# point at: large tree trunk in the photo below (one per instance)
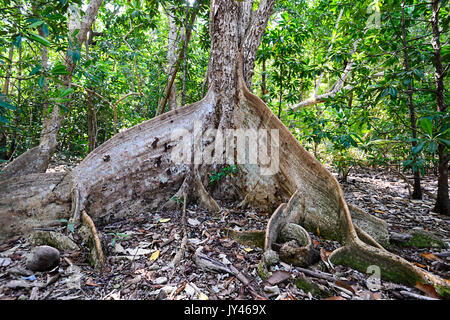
(36, 160)
(143, 167)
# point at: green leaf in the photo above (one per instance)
(70, 226)
(59, 69)
(66, 92)
(35, 24)
(63, 107)
(445, 142)
(433, 146)
(427, 126)
(7, 105)
(3, 119)
(45, 30)
(418, 148)
(38, 38)
(41, 81)
(36, 69)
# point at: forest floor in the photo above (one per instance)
(139, 251)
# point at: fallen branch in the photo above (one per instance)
(209, 264)
(415, 295)
(317, 274)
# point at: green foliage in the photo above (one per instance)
(223, 173)
(367, 122)
(70, 225)
(117, 236)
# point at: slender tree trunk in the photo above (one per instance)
(9, 70)
(5, 91)
(417, 192)
(172, 57)
(185, 48)
(12, 147)
(280, 98)
(442, 205)
(91, 113)
(171, 78)
(263, 81)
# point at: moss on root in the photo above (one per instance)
(424, 239)
(263, 273)
(392, 269)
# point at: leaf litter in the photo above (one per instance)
(139, 251)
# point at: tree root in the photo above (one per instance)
(99, 257)
(251, 238)
(355, 253)
(180, 254)
(199, 193)
(76, 210)
(360, 256)
(205, 200)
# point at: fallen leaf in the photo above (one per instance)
(428, 289)
(324, 254)
(420, 265)
(291, 297)
(138, 251)
(90, 282)
(368, 295)
(154, 256)
(164, 220)
(278, 277)
(318, 231)
(315, 243)
(345, 285)
(430, 256)
(379, 211)
(335, 298)
(248, 250)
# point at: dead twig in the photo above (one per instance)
(210, 264)
(415, 295)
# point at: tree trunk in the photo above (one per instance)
(92, 124)
(142, 168)
(417, 192)
(442, 205)
(263, 81)
(172, 57)
(36, 160)
(185, 48)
